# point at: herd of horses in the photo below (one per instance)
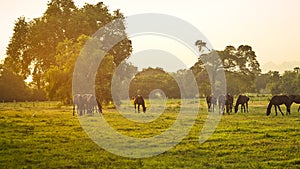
(225, 103)
(88, 103)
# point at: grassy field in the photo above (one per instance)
(53, 138)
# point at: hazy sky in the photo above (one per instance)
(271, 27)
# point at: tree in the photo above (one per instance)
(59, 76)
(150, 79)
(184, 79)
(19, 59)
(12, 86)
(35, 53)
(290, 82)
(240, 67)
(104, 78)
(122, 77)
(275, 82)
(261, 82)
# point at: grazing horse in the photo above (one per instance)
(221, 103)
(279, 100)
(79, 103)
(91, 104)
(243, 101)
(229, 103)
(296, 99)
(211, 102)
(225, 102)
(139, 100)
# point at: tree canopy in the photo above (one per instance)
(47, 47)
(240, 67)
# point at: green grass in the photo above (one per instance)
(55, 139)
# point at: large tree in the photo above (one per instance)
(59, 76)
(240, 67)
(32, 49)
(151, 79)
(19, 58)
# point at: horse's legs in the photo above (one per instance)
(226, 109)
(275, 109)
(299, 109)
(81, 112)
(247, 107)
(280, 110)
(288, 109)
(223, 108)
(138, 108)
(243, 108)
(73, 109)
(134, 107)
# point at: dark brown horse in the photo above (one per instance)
(279, 100)
(211, 102)
(243, 101)
(138, 101)
(296, 99)
(225, 101)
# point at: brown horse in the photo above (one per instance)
(296, 99)
(211, 102)
(243, 101)
(79, 104)
(225, 101)
(139, 100)
(279, 100)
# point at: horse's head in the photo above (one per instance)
(236, 108)
(268, 112)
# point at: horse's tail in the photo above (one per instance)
(269, 108)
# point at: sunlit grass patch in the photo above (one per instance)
(53, 138)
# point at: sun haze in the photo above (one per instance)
(271, 27)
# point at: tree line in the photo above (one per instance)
(46, 49)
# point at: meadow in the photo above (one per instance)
(46, 135)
